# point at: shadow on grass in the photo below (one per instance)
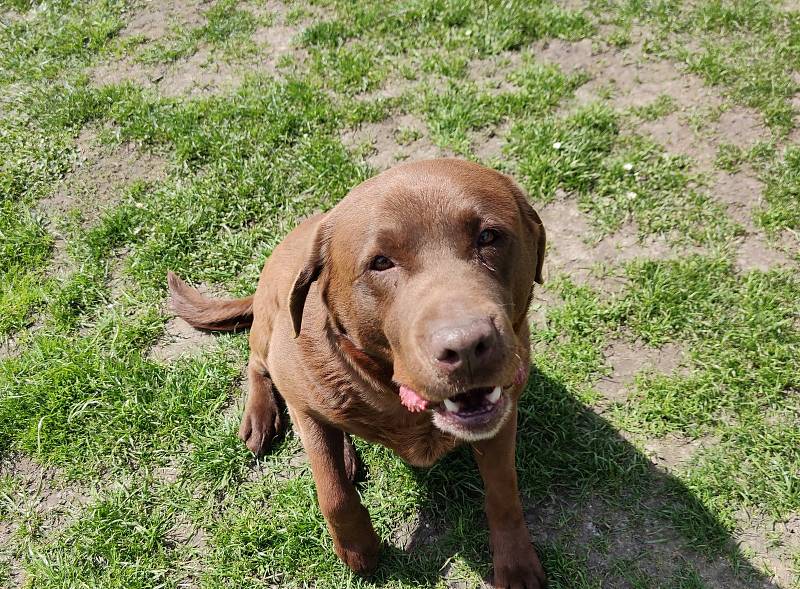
(599, 512)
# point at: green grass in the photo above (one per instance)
(743, 342)
(83, 298)
(122, 540)
(782, 207)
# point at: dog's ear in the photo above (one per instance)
(312, 268)
(533, 223)
(541, 239)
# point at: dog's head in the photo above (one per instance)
(428, 268)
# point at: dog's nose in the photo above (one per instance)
(470, 345)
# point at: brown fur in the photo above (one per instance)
(204, 313)
(337, 337)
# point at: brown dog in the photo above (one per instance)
(399, 316)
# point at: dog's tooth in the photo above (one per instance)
(452, 406)
(494, 396)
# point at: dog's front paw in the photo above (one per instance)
(516, 563)
(360, 555)
(260, 425)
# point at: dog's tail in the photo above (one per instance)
(206, 313)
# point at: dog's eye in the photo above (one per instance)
(381, 263)
(487, 237)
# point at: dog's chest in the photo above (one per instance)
(413, 438)
(424, 447)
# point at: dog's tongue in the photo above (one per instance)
(411, 400)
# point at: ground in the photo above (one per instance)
(659, 442)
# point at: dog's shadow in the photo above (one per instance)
(600, 513)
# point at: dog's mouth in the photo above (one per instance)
(476, 414)
(472, 404)
(472, 414)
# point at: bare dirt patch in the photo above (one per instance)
(418, 532)
(153, 19)
(488, 144)
(276, 41)
(741, 193)
(772, 544)
(570, 247)
(633, 79)
(544, 299)
(204, 72)
(570, 56)
(492, 73)
(393, 140)
(754, 252)
(675, 135)
(628, 358)
(636, 80)
(44, 490)
(672, 452)
(8, 348)
(186, 533)
(199, 74)
(276, 44)
(180, 339)
(99, 175)
(126, 70)
(394, 86)
(737, 126)
(741, 127)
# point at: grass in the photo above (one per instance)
(227, 29)
(746, 47)
(171, 498)
(782, 207)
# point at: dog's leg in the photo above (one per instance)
(262, 420)
(515, 561)
(351, 459)
(348, 521)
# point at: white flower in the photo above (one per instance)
(631, 195)
(627, 167)
(557, 145)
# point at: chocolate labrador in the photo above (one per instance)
(398, 316)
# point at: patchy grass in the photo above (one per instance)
(453, 113)
(176, 498)
(743, 341)
(746, 47)
(227, 28)
(617, 177)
